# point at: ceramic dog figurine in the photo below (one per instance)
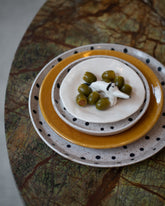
(110, 90)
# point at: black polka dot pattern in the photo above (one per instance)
(59, 59)
(87, 123)
(147, 61)
(34, 111)
(40, 122)
(98, 157)
(58, 85)
(125, 50)
(147, 137)
(132, 154)
(141, 110)
(162, 83)
(159, 69)
(35, 97)
(37, 85)
(113, 157)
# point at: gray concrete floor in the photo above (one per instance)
(15, 17)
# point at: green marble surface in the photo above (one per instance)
(43, 177)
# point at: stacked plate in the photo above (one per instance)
(88, 119)
(120, 138)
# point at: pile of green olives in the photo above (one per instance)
(103, 103)
(110, 76)
(93, 98)
(81, 100)
(89, 77)
(88, 97)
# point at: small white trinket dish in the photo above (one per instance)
(123, 115)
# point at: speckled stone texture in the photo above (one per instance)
(43, 177)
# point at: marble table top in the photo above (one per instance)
(44, 177)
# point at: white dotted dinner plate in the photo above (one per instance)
(101, 129)
(137, 151)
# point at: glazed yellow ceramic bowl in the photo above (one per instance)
(74, 136)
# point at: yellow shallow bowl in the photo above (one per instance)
(99, 142)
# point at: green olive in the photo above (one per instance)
(108, 76)
(84, 89)
(119, 81)
(93, 97)
(89, 77)
(81, 100)
(126, 88)
(102, 103)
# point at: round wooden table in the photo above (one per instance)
(44, 177)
